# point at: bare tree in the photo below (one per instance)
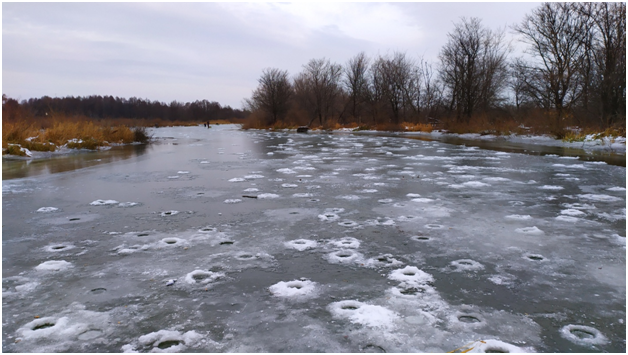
(473, 67)
(556, 36)
(356, 82)
(607, 47)
(319, 86)
(272, 96)
(395, 84)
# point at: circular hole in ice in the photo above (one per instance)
(344, 255)
(74, 219)
(412, 291)
(199, 277)
(418, 237)
(371, 348)
(143, 235)
(168, 343)
(294, 212)
(349, 307)
(227, 242)
(582, 333)
(496, 350)
(297, 286)
(59, 247)
(468, 319)
(90, 334)
(168, 213)
(535, 257)
(245, 256)
(99, 290)
(462, 262)
(384, 259)
(43, 326)
(298, 242)
(409, 273)
(170, 241)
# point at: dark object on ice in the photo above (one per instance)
(171, 282)
(303, 129)
(248, 196)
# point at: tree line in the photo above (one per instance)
(574, 73)
(100, 107)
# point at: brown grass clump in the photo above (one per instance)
(417, 127)
(47, 134)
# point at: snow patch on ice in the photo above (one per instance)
(232, 201)
(466, 265)
(267, 196)
(47, 209)
(54, 265)
(600, 197)
(301, 244)
(519, 217)
(294, 289)
(364, 314)
(103, 202)
(550, 187)
(530, 230)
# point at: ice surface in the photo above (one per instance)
(403, 263)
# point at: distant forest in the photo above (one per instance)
(574, 74)
(105, 107)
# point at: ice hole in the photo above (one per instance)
(170, 241)
(199, 277)
(412, 291)
(496, 350)
(370, 348)
(298, 242)
(99, 290)
(74, 219)
(228, 242)
(297, 286)
(535, 257)
(59, 247)
(142, 235)
(465, 263)
(343, 255)
(384, 259)
(468, 319)
(245, 256)
(294, 212)
(43, 326)
(582, 333)
(409, 273)
(349, 307)
(168, 343)
(167, 213)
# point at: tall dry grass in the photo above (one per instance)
(50, 133)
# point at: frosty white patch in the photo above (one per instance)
(301, 244)
(296, 288)
(365, 314)
(529, 230)
(54, 265)
(103, 202)
(47, 209)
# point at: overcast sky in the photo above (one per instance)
(213, 51)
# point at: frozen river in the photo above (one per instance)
(221, 240)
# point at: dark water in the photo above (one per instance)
(414, 246)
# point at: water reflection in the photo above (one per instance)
(15, 169)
